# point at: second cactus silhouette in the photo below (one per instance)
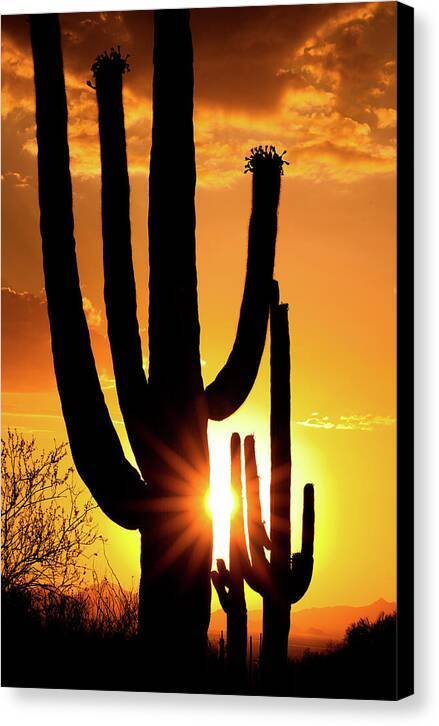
(284, 579)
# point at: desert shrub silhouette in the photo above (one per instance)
(64, 646)
(47, 524)
(54, 640)
(363, 666)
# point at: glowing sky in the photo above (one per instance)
(319, 81)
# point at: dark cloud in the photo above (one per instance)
(312, 78)
(238, 51)
(363, 54)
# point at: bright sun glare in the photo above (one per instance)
(220, 504)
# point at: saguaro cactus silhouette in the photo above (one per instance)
(165, 416)
(283, 580)
(229, 583)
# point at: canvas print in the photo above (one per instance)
(206, 253)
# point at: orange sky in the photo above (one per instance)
(318, 80)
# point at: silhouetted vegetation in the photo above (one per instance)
(284, 579)
(47, 527)
(64, 627)
(363, 666)
(100, 636)
(51, 593)
(88, 640)
(85, 639)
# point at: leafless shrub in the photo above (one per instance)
(46, 526)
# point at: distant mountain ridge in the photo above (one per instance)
(313, 627)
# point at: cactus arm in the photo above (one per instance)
(258, 538)
(303, 562)
(238, 546)
(120, 288)
(308, 521)
(221, 583)
(234, 382)
(239, 559)
(280, 434)
(229, 584)
(96, 450)
(174, 331)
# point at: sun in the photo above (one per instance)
(219, 501)
(220, 504)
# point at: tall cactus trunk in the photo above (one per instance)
(276, 603)
(176, 539)
(172, 451)
(237, 650)
(174, 331)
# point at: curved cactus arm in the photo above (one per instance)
(300, 577)
(96, 450)
(221, 583)
(258, 538)
(238, 546)
(239, 560)
(120, 288)
(229, 584)
(308, 521)
(234, 382)
(302, 562)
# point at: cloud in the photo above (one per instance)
(353, 422)
(26, 347)
(386, 117)
(94, 316)
(353, 54)
(316, 80)
(315, 421)
(81, 42)
(18, 180)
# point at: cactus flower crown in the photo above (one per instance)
(109, 62)
(265, 157)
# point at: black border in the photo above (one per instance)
(405, 350)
